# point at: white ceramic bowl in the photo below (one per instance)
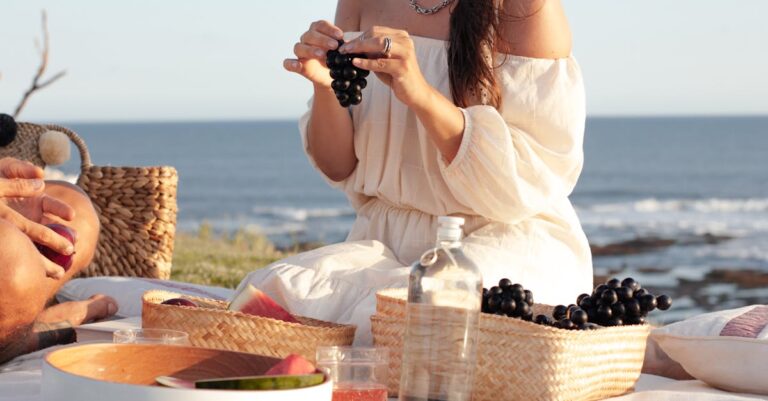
(126, 372)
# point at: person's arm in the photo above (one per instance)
(536, 28)
(330, 134)
(35, 337)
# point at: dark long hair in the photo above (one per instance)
(472, 43)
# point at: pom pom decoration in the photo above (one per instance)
(54, 148)
(8, 130)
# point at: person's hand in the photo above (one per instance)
(310, 52)
(24, 204)
(399, 68)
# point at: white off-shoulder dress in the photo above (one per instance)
(511, 180)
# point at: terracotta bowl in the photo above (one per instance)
(127, 372)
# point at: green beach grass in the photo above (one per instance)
(223, 260)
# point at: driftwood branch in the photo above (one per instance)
(36, 84)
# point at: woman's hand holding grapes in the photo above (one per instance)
(311, 51)
(395, 63)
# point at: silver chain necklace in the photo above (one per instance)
(428, 11)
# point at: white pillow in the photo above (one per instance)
(727, 349)
(127, 291)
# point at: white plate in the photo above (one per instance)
(97, 372)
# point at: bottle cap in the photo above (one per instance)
(449, 228)
(450, 220)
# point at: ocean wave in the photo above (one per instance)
(302, 214)
(233, 225)
(710, 205)
(54, 174)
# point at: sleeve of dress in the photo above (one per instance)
(303, 128)
(514, 162)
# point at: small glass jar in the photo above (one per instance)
(358, 373)
(150, 336)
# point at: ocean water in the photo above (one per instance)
(672, 178)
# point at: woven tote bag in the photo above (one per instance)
(136, 206)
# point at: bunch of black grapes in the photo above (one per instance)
(348, 80)
(614, 303)
(509, 300)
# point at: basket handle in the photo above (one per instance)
(85, 156)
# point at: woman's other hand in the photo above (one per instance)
(310, 52)
(399, 68)
(21, 189)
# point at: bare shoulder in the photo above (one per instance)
(348, 14)
(535, 28)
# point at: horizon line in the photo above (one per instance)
(292, 119)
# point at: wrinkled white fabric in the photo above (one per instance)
(510, 179)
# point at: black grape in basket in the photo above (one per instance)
(624, 293)
(618, 302)
(528, 297)
(599, 290)
(663, 302)
(586, 302)
(613, 283)
(609, 297)
(647, 302)
(348, 80)
(544, 320)
(632, 307)
(508, 299)
(604, 312)
(508, 305)
(618, 310)
(614, 303)
(565, 324)
(630, 283)
(589, 326)
(579, 317)
(560, 312)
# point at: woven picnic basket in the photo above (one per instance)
(519, 360)
(136, 206)
(211, 325)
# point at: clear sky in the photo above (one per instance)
(201, 60)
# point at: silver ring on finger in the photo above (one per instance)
(387, 47)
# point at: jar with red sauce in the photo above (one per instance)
(358, 373)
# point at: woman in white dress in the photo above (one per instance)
(476, 109)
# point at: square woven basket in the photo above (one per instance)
(519, 360)
(211, 325)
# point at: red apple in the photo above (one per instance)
(64, 261)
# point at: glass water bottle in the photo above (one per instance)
(444, 297)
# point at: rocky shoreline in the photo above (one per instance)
(653, 243)
(695, 289)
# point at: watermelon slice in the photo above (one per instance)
(263, 382)
(292, 365)
(255, 302)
